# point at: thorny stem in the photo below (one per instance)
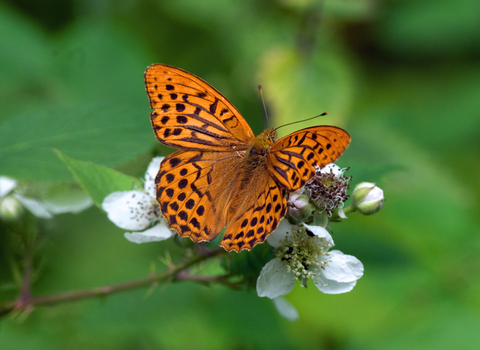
(26, 302)
(209, 280)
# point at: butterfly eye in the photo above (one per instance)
(272, 135)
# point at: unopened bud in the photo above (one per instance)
(368, 198)
(10, 208)
(299, 208)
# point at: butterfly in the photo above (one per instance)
(222, 175)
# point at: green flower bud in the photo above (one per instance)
(368, 198)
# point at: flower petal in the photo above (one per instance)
(35, 207)
(333, 287)
(130, 210)
(335, 169)
(279, 234)
(67, 200)
(6, 185)
(157, 233)
(274, 280)
(342, 267)
(285, 309)
(320, 232)
(150, 175)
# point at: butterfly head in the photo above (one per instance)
(271, 135)
(261, 144)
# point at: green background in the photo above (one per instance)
(402, 77)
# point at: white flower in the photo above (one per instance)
(58, 199)
(137, 210)
(303, 253)
(13, 203)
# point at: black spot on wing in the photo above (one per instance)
(213, 106)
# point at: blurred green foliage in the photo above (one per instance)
(401, 76)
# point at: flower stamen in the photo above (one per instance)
(300, 253)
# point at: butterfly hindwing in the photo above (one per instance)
(193, 191)
(191, 114)
(292, 158)
(255, 212)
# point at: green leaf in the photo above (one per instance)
(105, 134)
(82, 93)
(24, 57)
(98, 181)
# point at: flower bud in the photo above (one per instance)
(368, 198)
(299, 208)
(10, 208)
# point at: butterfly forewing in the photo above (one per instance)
(292, 158)
(191, 114)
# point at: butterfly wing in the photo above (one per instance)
(191, 114)
(207, 184)
(255, 211)
(292, 158)
(194, 189)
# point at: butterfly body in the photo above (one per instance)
(258, 149)
(222, 175)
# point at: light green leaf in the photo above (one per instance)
(98, 181)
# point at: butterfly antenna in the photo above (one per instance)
(263, 102)
(300, 121)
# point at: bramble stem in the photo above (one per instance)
(26, 302)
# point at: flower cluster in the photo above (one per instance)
(302, 243)
(303, 251)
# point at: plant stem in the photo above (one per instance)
(26, 302)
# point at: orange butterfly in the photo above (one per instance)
(223, 175)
